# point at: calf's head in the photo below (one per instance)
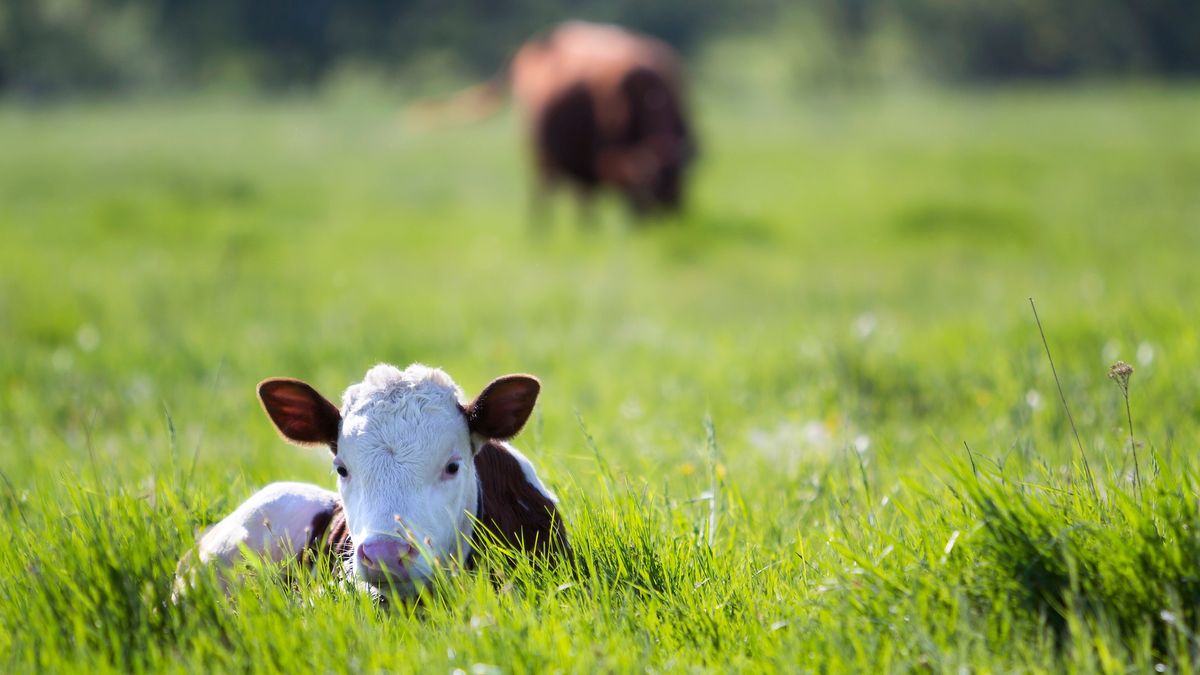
(403, 445)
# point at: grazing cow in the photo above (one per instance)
(419, 469)
(603, 107)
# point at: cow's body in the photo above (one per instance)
(604, 106)
(392, 520)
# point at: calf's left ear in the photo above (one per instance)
(503, 407)
(300, 413)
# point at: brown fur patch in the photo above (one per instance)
(513, 511)
(329, 538)
(318, 526)
(568, 138)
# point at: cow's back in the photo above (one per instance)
(597, 57)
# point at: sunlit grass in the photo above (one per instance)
(755, 416)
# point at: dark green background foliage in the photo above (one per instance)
(989, 39)
(48, 47)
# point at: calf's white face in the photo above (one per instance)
(403, 448)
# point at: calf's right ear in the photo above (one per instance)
(300, 414)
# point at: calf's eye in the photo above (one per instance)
(452, 468)
(341, 471)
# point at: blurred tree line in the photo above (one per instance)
(49, 46)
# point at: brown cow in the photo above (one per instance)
(603, 107)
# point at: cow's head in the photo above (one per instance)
(651, 174)
(403, 446)
(650, 163)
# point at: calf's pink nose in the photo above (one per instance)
(385, 553)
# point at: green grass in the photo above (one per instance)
(755, 416)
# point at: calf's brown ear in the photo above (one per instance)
(503, 407)
(300, 414)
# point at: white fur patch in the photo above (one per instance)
(385, 388)
(275, 522)
(400, 430)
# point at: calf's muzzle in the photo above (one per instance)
(385, 555)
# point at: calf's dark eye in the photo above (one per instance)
(341, 471)
(452, 468)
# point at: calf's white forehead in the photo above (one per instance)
(398, 426)
(391, 406)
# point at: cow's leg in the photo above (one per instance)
(541, 193)
(275, 524)
(539, 205)
(585, 200)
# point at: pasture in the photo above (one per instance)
(754, 416)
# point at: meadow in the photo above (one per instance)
(808, 426)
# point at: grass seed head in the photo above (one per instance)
(1119, 373)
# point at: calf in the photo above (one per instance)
(419, 470)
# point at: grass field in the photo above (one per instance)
(755, 416)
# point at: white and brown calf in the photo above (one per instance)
(419, 469)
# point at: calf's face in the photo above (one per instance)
(403, 447)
